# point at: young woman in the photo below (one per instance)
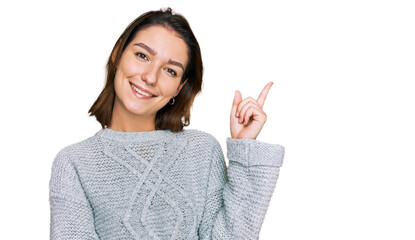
(142, 176)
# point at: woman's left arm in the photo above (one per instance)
(235, 208)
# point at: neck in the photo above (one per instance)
(126, 127)
(124, 121)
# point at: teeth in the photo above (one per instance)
(141, 92)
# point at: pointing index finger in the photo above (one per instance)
(263, 94)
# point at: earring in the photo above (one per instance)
(171, 103)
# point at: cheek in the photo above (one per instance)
(126, 69)
(129, 67)
(169, 87)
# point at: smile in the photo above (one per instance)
(140, 93)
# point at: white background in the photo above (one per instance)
(342, 103)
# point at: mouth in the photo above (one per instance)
(141, 93)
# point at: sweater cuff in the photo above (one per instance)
(251, 152)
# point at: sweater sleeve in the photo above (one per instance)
(238, 197)
(71, 215)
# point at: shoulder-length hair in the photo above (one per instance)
(173, 117)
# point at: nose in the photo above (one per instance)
(149, 76)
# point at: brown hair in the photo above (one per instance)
(173, 117)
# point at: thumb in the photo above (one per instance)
(236, 100)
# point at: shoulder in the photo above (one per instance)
(202, 149)
(199, 142)
(65, 170)
(70, 153)
(195, 136)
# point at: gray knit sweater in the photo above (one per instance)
(161, 185)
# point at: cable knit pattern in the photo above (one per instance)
(161, 185)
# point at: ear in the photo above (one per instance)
(180, 86)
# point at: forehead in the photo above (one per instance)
(165, 42)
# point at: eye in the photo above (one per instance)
(142, 56)
(171, 72)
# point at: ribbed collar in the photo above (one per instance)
(127, 137)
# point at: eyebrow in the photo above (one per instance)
(176, 64)
(152, 51)
(149, 49)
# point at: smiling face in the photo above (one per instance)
(148, 75)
